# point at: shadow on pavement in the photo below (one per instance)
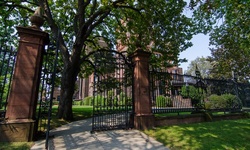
(76, 135)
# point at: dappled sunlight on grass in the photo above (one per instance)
(209, 135)
(79, 113)
(228, 134)
(15, 145)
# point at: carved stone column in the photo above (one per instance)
(143, 118)
(22, 102)
(25, 83)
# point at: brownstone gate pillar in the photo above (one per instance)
(22, 102)
(25, 84)
(143, 118)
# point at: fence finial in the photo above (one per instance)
(36, 19)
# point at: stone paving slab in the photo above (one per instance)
(77, 136)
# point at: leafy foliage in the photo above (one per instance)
(88, 101)
(79, 26)
(12, 13)
(203, 66)
(162, 101)
(228, 25)
(4, 89)
(112, 100)
(195, 94)
(222, 101)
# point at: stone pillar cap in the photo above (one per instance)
(37, 19)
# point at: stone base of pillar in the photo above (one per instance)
(20, 130)
(143, 122)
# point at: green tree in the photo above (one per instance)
(12, 14)
(77, 25)
(195, 94)
(4, 87)
(203, 65)
(228, 25)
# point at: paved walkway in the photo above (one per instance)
(76, 135)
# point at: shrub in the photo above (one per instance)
(129, 101)
(81, 102)
(184, 92)
(123, 98)
(169, 102)
(231, 100)
(162, 101)
(208, 105)
(77, 102)
(222, 101)
(99, 100)
(216, 101)
(193, 93)
(1, 105)
(88, 101)
(55, 102)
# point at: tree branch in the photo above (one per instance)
(55, 29)
(75, 23)
(87, 28)
(19, 6)
(99, 21)
(106, 50)
(129, 7)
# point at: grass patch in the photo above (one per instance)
(227, 134)
(15, 145)
(79, 113)
(82, 112)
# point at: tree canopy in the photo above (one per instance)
(155, 26)
(227, 22)
(78, 25)
(202, 64)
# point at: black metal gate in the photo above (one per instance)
(46, 91)
(112, 91)
(7, 63)
(45, 97)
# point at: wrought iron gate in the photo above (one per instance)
(112, 91)
(7, 63)
(47, 86)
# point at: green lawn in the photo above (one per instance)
(228, 134)
(219, 135)
(79, 113)
(15, 145)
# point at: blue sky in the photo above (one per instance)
(200, 48)
(200, 45)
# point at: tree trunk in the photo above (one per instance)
(68, 80)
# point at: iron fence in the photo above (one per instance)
(7, 63)
(46, 90)
(174, 93)
(44, 93)
(112, 92)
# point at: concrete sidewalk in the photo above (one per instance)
(76, 135)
